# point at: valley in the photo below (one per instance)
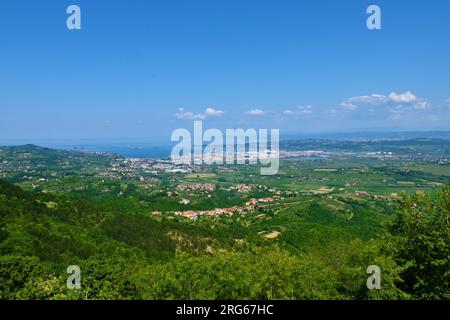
(144, 228)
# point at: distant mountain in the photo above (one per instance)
(370, 136)
(424, 146)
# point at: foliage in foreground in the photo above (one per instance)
(137, 257)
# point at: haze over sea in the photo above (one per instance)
(151, 148)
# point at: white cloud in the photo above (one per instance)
(448, 101)
(209, 112)
(353, 103)
(300, 110)
(255, 112)
(393, 99)
(398, 109)
(371, 99)
(187, 115)
(422, 105)
(407, 97)
(347, 105)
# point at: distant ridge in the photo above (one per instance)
(370, 136)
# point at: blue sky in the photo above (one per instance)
(140, 68)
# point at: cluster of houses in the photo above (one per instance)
(244, 188)
(247, 188)
(249, 206)
(196, 187)
(255, 201)
(194, 214)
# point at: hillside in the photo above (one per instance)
(135, 257)
(148, 229)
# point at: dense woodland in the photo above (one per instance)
(137, 256)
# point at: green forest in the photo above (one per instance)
(124, 255)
